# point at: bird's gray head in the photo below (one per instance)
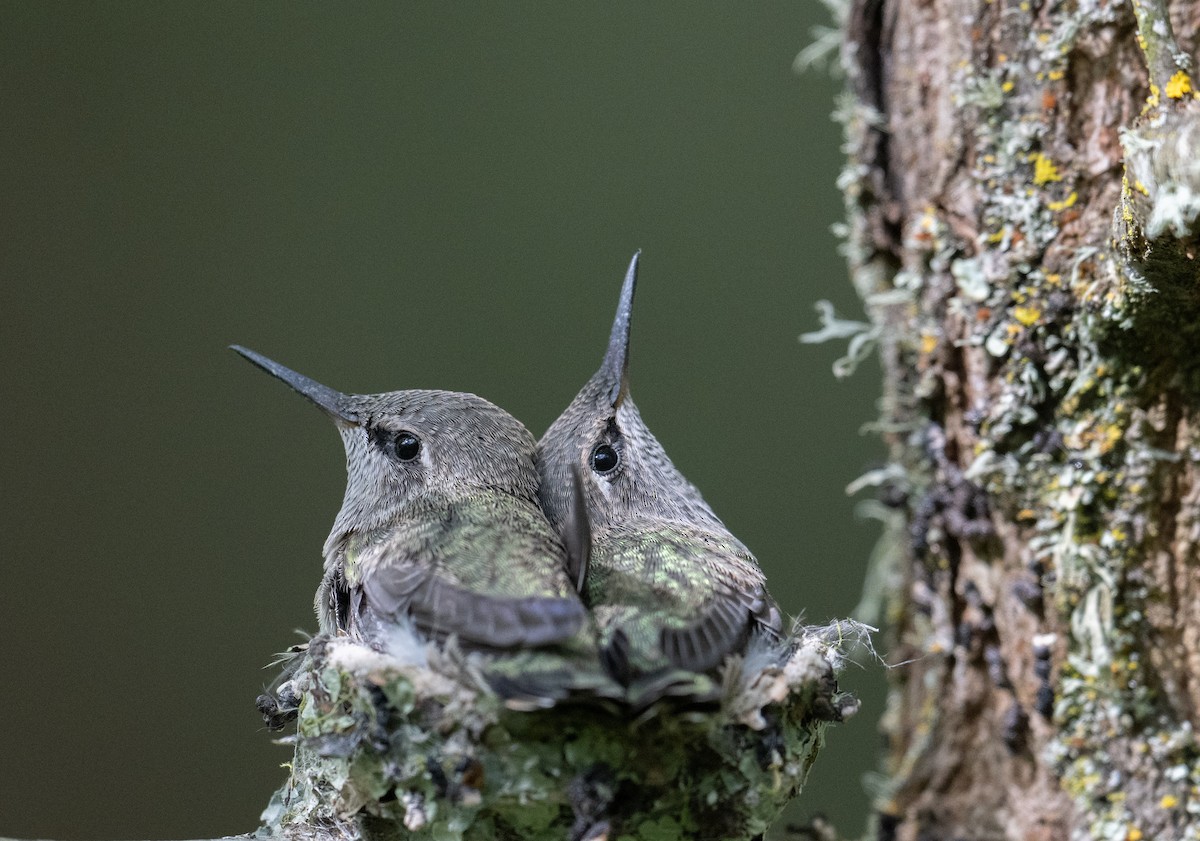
(625, 474)
(406, 449)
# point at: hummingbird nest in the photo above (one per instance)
(413, 744)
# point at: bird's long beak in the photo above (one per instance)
(577, 533)
(615, 368)
(331, 402)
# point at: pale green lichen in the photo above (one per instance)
(1161, 160)
(861, 336)
(826, 40)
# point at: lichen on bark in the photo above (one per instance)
(1022, 227)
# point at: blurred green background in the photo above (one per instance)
(381, 196)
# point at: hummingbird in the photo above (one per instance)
(673, 592)
(440, 530)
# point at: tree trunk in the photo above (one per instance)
(1022, 193)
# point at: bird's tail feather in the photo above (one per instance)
(530, 680)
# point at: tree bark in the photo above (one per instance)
(1022, 194)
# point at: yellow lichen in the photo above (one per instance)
(1069, 201)
(1027, 315)
(1081, 784)
(1169, 801)
(1109, 436)
(1008, 86)
(1133, 834)
(1044, 170)
(928, 343)
(1179, 85)
(1057, 75)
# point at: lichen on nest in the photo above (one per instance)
(414, 745)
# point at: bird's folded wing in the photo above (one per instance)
(441, 608)
(721, 627)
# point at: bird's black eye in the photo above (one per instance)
(605, 459)
(407, 446)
